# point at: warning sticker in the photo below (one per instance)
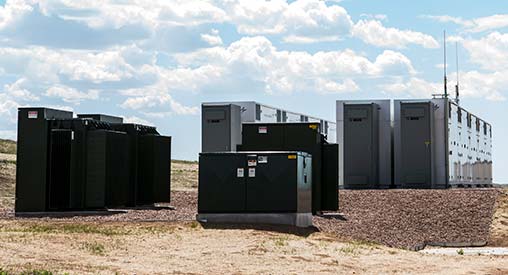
(32, 114)
(291, 156)
(239, 173)
(251, 162)
(262, 159)
(252, 172)
(262, 129)
(313, 126)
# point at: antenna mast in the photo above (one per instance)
(445, 80)
(457, 63)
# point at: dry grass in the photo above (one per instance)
(7, 182)
(499, 227)
(148, 248)
(7, 146)
(184, 175)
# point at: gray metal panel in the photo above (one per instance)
(384, 135)
(221, 128)
(361, 145)
(416, 144)
(439, 141)
(236, 127)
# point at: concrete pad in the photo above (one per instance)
(295, 219)
(67, 214)
(494, 251)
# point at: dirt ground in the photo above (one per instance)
(138, 243)
(187, 248)
(499, 228)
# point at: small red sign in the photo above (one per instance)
(32, 114)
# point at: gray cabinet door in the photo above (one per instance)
(216, 132)
(360, 145)
(416, 144)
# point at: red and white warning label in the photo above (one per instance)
(32, 114)
(262, 129)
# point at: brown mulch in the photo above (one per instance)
(412, 218)
(398, 218)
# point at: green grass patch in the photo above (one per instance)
(26, 272)
(281, 241)
(66, 229)
(95, 248)
(194, 225)
(354, 247)
(7, 161)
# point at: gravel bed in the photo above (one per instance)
(412, 218)
(398, 218)
(185, 203)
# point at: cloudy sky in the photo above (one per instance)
(154, 62)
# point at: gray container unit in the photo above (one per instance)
(102, 117)
(364, 138)
(255, 187)
(107, 163)
(438, 144)
(32, 158)
(470, 148)
(220, 127)
(222, 131)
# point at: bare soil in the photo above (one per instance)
(499, 228)
(187, 248)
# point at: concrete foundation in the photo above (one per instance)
(295, 219)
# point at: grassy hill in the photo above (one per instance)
(7, 146)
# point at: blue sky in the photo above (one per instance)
(155, 61)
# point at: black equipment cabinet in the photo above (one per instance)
(255, 182)
(67, 163)
(154, 169)
(150, 164)
(305, 137)
(329, 189)
(32, 157)
(107, 166)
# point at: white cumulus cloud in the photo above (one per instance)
(373, 32)
(480, 24)
(71, 95)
